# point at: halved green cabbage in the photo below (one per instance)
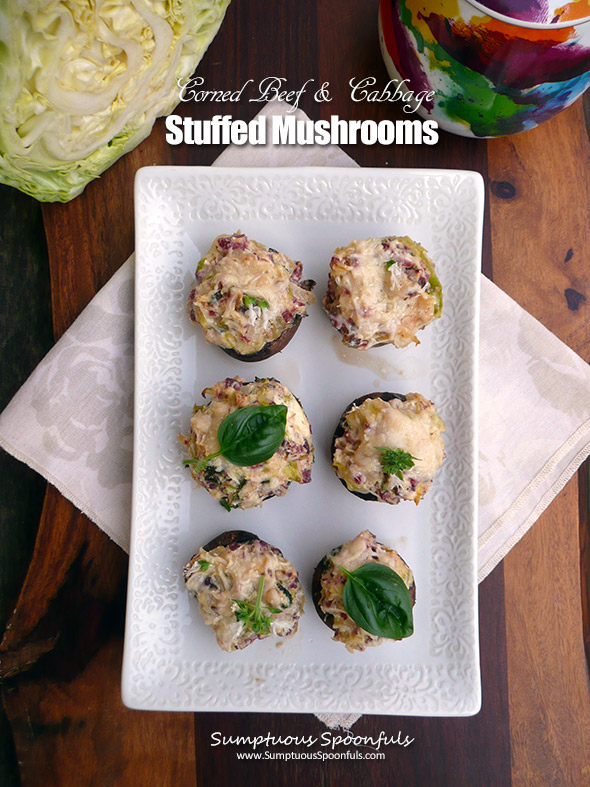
(82, 82)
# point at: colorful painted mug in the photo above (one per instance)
(491, 74)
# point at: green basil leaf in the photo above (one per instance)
(251, 435)
(378, 601)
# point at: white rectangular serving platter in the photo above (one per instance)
(171, 659)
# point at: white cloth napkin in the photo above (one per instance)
(72, 420)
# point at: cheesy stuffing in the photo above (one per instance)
(412, 425)
(246, 295)
(361, 550)
(382, 291)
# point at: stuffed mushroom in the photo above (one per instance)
(249, 300)
(246, 589)
(382, 291)
(392, 616)
(388, 447)
(249, 442)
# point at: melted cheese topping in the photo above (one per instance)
(245, 295)
(246, 487)
(363, 549)
(382, 291)
(231, 574)
(412, 426)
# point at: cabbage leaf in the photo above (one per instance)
(83, 81)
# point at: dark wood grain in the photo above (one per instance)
(584, 514)
(545, 642)
(26, 335)
(73, 730)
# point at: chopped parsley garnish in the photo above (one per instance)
(389, 263)
(204, 564)
(254, 616)
(395, 460)
(225, 503)
(250, 301)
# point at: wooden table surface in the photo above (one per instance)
(61, 651)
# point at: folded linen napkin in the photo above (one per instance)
(72, 420)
